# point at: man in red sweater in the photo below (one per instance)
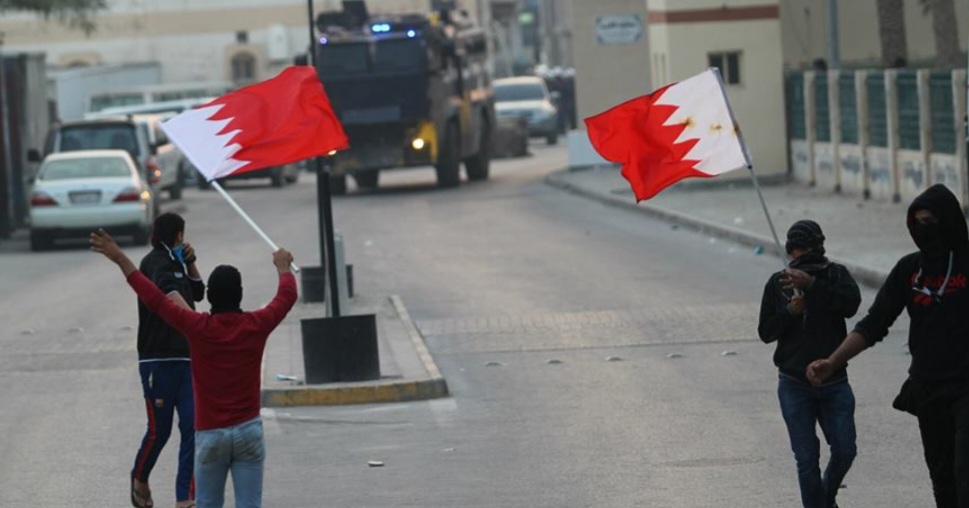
(226, 348)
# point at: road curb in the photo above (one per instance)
(863, 274)
(369, 392)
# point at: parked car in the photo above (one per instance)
(277, 175)
(155, 113)
(157, 159)
(76, 192)
(528, 97)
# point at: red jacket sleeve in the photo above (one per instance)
(275, 311)
(184, 320)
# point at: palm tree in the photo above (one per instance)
(891, 31)
(74, 13)
(948, 48)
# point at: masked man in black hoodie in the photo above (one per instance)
(931, 285)
(803, 310)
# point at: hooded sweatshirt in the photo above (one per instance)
(931, 285)
(817, 332)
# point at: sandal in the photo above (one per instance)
(139, 500)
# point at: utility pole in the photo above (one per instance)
(834, 49)
(7, 215)
(324, 196)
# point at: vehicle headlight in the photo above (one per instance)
(418, 144)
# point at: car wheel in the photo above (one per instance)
(39, 241)
(276, 177)
(449, 163)
(338, 185)
(477, 166)
(367, 179)
(203, 183)
(552, 139)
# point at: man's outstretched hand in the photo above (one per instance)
(102, 243)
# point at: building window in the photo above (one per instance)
(729, 65)
(243, 68)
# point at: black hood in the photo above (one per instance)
(939, 200)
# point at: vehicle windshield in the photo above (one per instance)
(98, 136)
(344, 59)
(355, 58)
(519, 92)
(398, 55)
(94, 167)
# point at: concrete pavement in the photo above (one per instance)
(866, 236)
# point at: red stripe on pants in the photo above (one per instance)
(151, 439)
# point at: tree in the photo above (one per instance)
(74, 13)
(948, 49)
(891, 31)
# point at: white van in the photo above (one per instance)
(148, 94)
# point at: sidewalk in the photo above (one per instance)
(868, 237)
(407, 370)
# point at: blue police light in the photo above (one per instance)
(411, 34)
(380, 28)
(324, 40)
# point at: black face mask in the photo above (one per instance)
(930, 239)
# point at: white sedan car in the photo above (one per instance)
(77, 192)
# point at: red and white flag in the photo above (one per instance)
(682, 130)
(279, 121)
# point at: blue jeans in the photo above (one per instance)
(833, 407)
(239, 449)
(167, 386)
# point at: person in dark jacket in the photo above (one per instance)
(803, 310)
(931, 285)
(163, 361)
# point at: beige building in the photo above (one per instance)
(192, 40)
(741, 38)
(682, 38)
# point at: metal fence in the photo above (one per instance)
(822, 109)
(941, 113)
(796, 110)
(877, 109)
(848, 102)
(909, 124)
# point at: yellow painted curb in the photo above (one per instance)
(371, 393)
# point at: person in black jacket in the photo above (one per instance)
(163, 362)
(803, 310)
(931, 285)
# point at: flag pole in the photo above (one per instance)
(750, 168)
(770, 222)
(245, 216)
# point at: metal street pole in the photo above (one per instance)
(6, 216)
(834, 49)
(323, 198)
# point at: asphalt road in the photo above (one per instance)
(597, 358)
